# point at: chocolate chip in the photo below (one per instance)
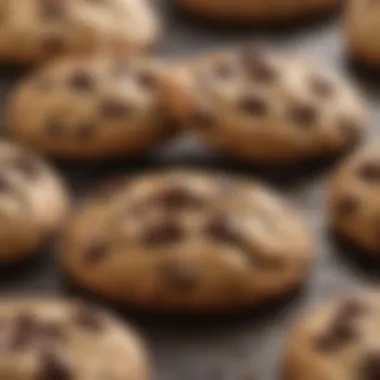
(370, 171)
(166, 232)
(257, 66)
(179, 275)
(222, 229)
(82, 81)
(321, 87)
(53, 9)
(253, 106)
(85, 131)
(95, 252)
(53, 366)
(303, 114)
(202, 119)
(55, 126)
(370, 366)
(115, 109)
(147, 80)
(346, 206)
(88, 318)
(179, 197)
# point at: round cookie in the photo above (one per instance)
(337, 342)
(257, 10)
(185, 241)
(354, 198)
(362, 25)
(45, 339)
(35, 30)
(90, 107)
(33, 203)
(266, 107)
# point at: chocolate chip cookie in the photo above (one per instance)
(33, 203)
(336, 342)
(266, 107)
(90, 107)
(185, 241)
(354, 198)
(257, 10)
(35, 30)
(362, 28)
(66, 340)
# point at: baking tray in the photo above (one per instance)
(248, 346)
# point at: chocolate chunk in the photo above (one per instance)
(370, 366)
(342, 330)
(253, 106)
(55, 126)
(257, 66)
(53, 366)
(53, 9)
(346, 206)
(180, 275)
(88, 317)
(321, 87)
(82, 81)
(222, 229)
(85, 131)
(370, 171)
(95, 252)
(167, 232)
(202, 118)
(303, 114)
(147, 80)
(115, 109)
(179, 197)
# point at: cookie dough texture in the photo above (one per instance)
(338, 341)
(66, 340)
(354, 198)
(90, 107)
(35, 30)
(257, 10)
(33, 203)
(362, 24)
(266, 107)
(185, 241)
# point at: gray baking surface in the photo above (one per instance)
(249, 346)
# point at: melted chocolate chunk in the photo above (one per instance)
(321, 87)
(370, 366)
(342, 330)
(88, 318)
(258, 67)
(347, 206)
(179, 197)
(95, 252)
(370, 171)
(82, 81)
(115, 109)
(167, 232)
(53, 366)
(253, 106)
(304, 115)
(202, 119)
(180, 276)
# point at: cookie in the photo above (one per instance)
(362, 26)
(336, 342)
(354, 198)
(266, 107)
(46, 339)
(256, 10)
(90, 107)
(33, 203)
(186, 241)
(36, 30)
